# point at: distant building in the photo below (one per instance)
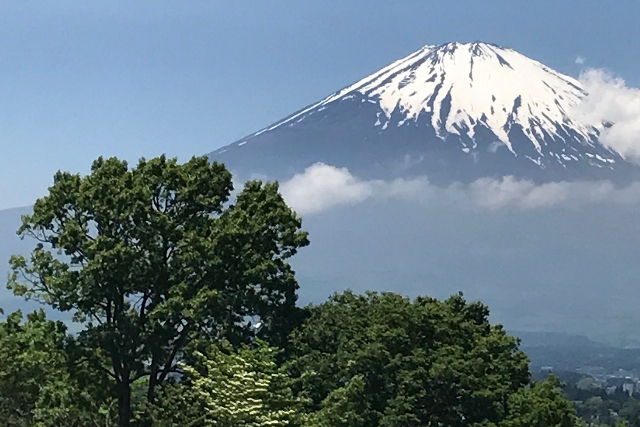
(628, 388)
(623, 373)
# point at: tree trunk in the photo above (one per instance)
(153, 381)
(124, 403)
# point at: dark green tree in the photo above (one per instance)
(541, 405)
(631, 412)
(384, 360)
(41, 383)
(150, 257)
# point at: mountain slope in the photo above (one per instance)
(452, 112)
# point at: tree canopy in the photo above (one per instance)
(42, 383)
(541, 405)
(384, 360)
(149, 257)
(227, 387)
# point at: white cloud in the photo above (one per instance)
(580, 60)
(610, 100)
(322, 187)
(509, 191)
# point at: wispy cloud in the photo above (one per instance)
(322, 187)
(614, 108)
(509, 191)
(580, 60)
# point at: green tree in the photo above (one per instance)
(384, 360)
(228, 388)
(631, 412)
(587, 383)
(150, 257)
(40, 382)
(541, 405)
(342, 407)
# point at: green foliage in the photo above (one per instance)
(595, 406)
(587, 383)
(541, 405)
(227, 388)
(630, 412)
(383, 360)
(163, 272)
(342, 407)
(153, 256)
(40, 383)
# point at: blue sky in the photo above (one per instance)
(80, 79)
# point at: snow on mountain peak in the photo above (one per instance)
(459, 85)
(452, 111)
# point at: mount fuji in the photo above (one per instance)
(453, 112)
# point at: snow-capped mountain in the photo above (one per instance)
(453, 112)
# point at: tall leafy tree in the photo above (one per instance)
(385, 360)
(149, 257)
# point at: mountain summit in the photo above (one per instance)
(457, 111)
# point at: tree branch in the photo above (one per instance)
(178, 345)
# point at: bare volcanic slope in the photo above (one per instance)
(454, 112)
